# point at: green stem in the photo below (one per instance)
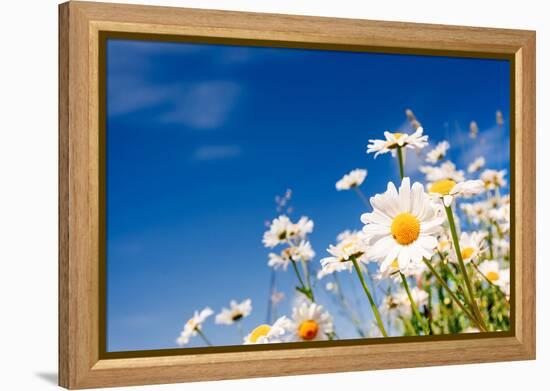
(203, 336)
(308, 279)
(401, 164)
(306, 291)
(413, 306)
(458, 252)
(369, 296)
(453, 296)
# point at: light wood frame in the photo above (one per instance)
(80, 24)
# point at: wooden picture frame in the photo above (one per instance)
(81, 362)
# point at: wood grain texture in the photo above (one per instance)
(80, 24)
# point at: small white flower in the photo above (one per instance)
(282, 229)
(472, 245)
(331, 287)
(476, 165)
(395, 140)
(302, 252)
(493, 178)
(236, 312)
(399, 304)
(448, 189)
(438, 153)
(351, 245)
(499, 277)
(311, 323)
(269, 333)
(192, 325)
(446, 170)
(403, 225)
(303, 227)
(392, 272)
(354, 179)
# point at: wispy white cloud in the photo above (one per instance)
(216, 152)
(492, 143)
(203, 105)
(199, 105)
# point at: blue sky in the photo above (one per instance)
(202, 137)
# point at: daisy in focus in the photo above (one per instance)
(265, 333)
(235, 312)
(403, 225)
(310, 322)
(193, 326)
(393, 141)
(353, 179)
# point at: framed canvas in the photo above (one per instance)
(246, 195)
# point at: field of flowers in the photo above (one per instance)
(441, 251)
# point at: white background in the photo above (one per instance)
(28, 193)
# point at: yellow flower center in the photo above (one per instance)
(308, 329)
(260, 331)
(443, 186)
(405, 228)
(395, 264)
(348, 246)
(492, 276)
(467, 252)
(397, 136)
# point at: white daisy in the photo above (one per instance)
(448, 189)
(354, 179)
(476, 165)
(446, 170)
(303, 251)
(395, 140)
(236, 312)
(269, 333)
(472, 245)
(493, 178)
(499, 277)
(311, 323)
(438, 153)
(399, 305)
(303, 227)
(392, 272)
(403, 225)
(352, 245)
(282, 229)
(193, 325)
